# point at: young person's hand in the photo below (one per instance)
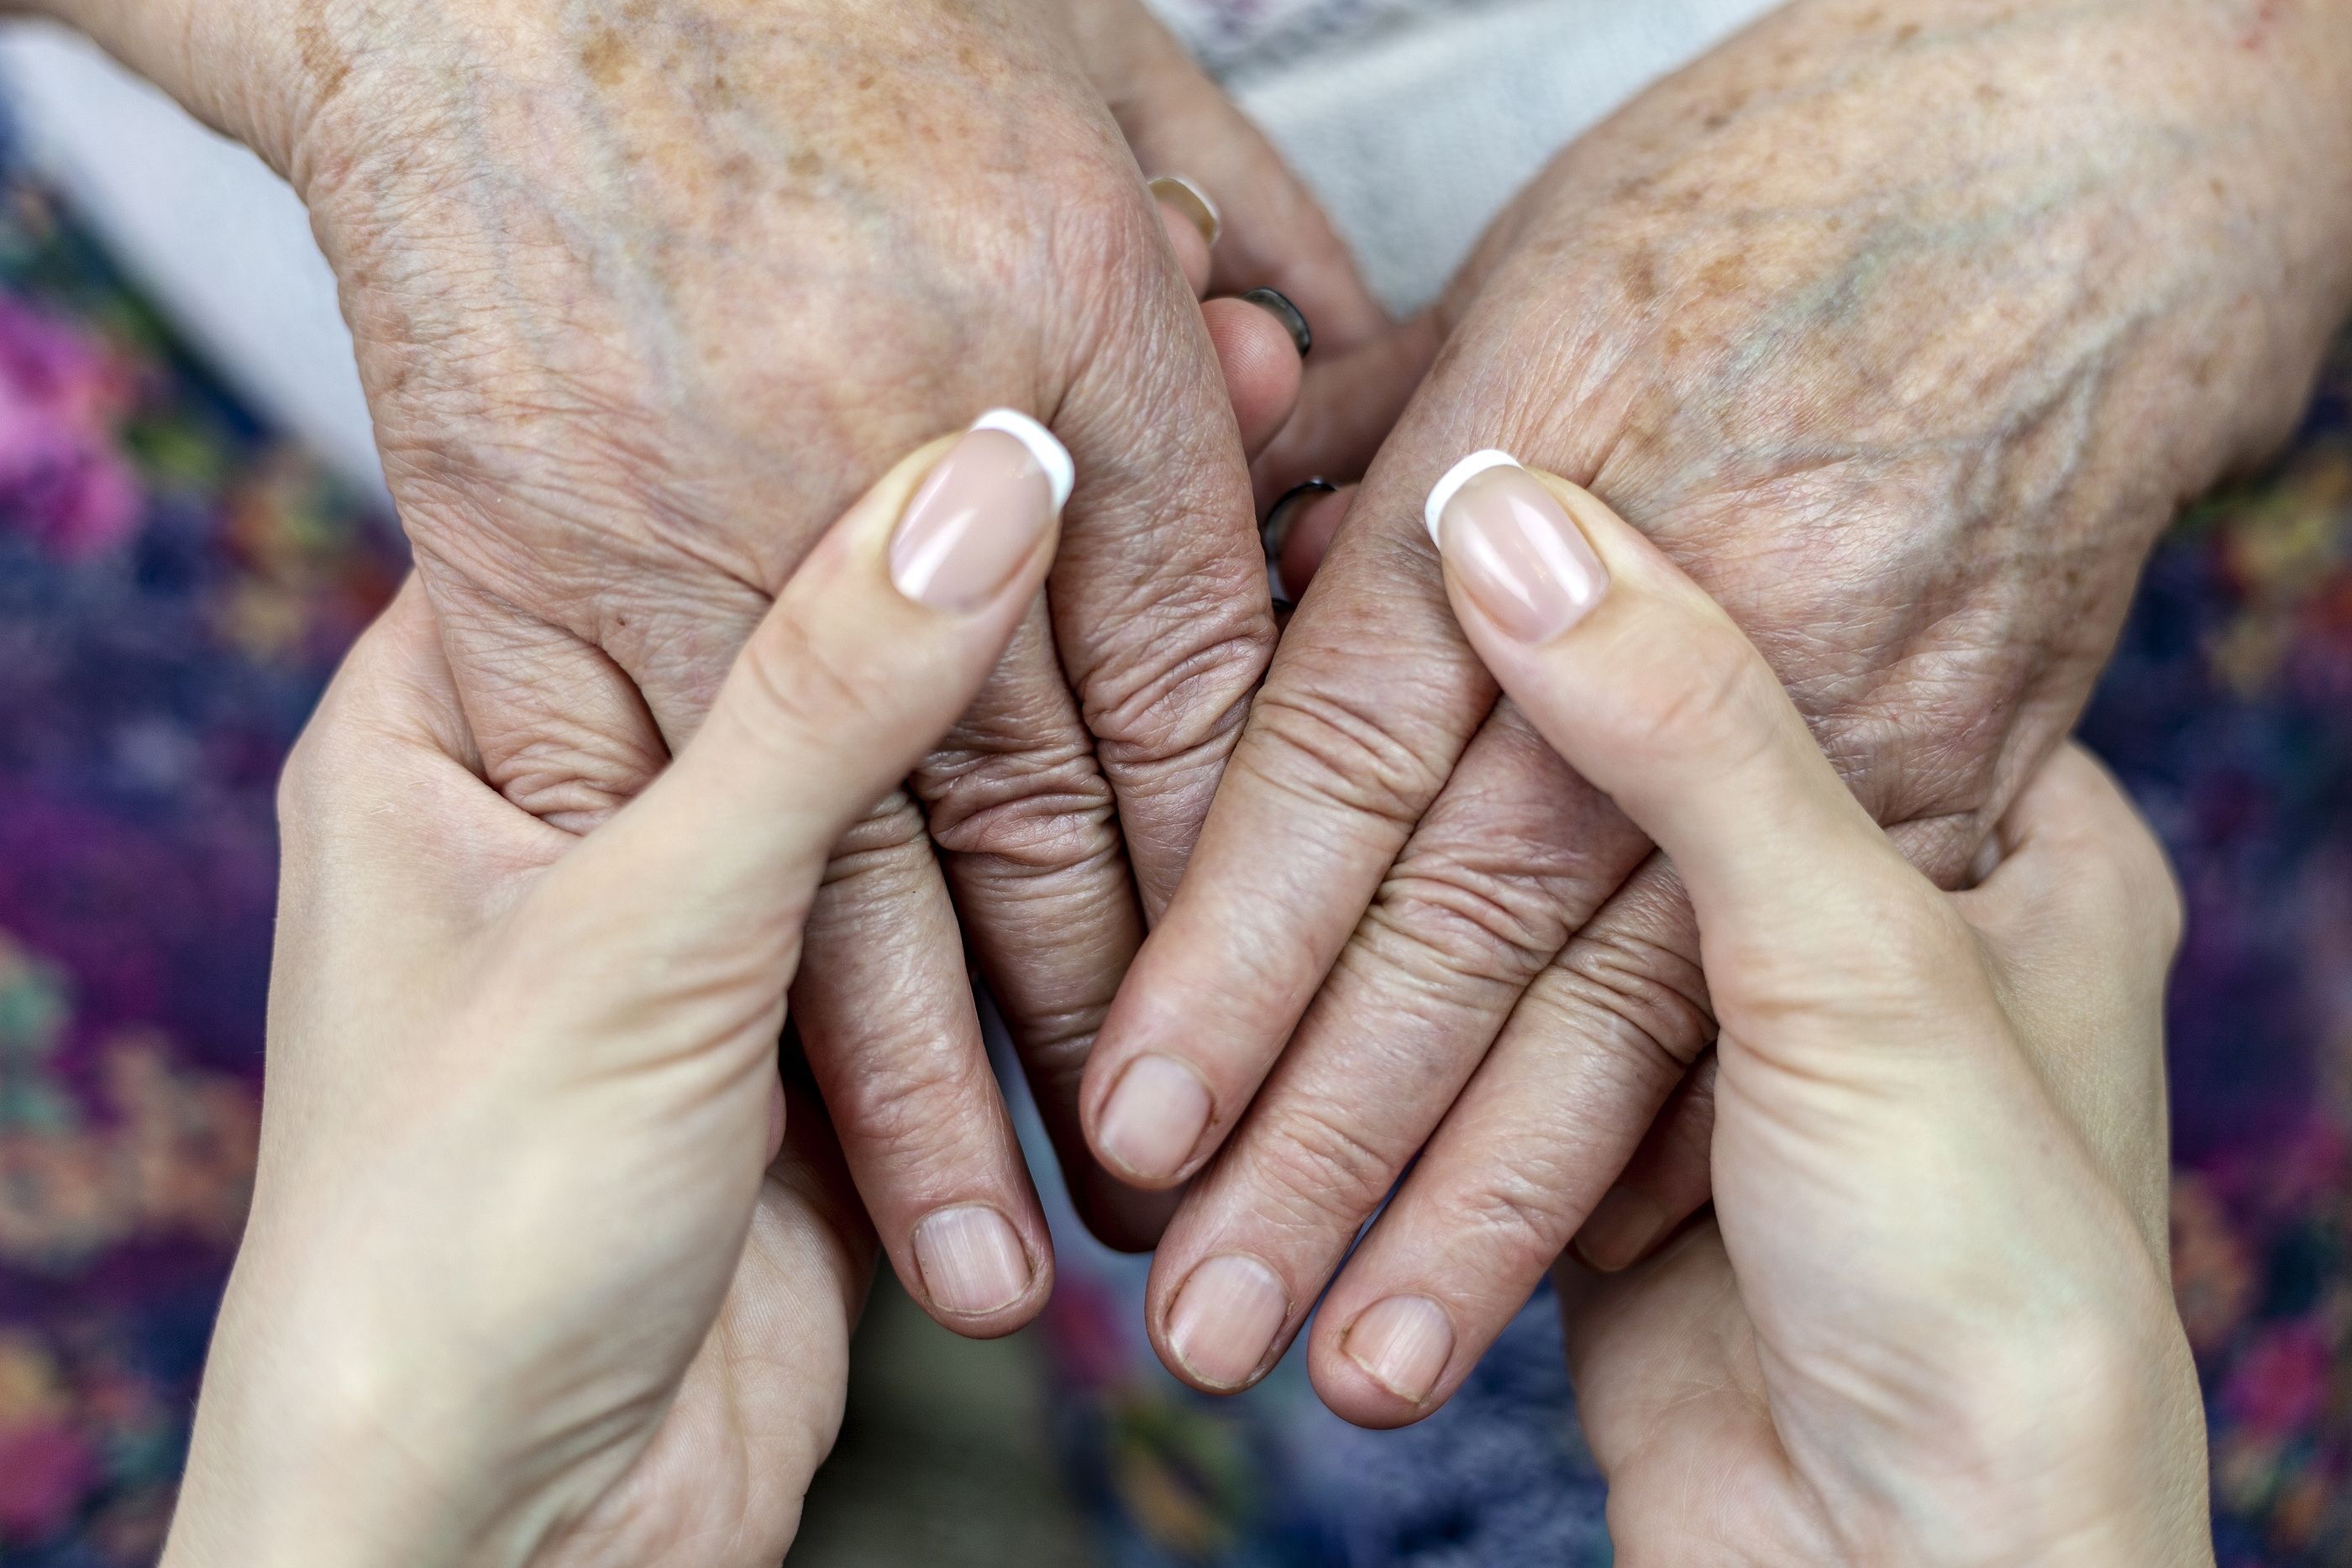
(1905, 326)
(1930, 1321)
(542, 1268)
(644, 294)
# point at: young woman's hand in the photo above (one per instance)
(1929, 1321)
(541, 1267)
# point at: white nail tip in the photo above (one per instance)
(1051, 454)
(1208, 204)
(1441, 495)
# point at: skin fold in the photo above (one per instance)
(1905, 327)
(644, 294)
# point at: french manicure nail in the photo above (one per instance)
(1276, 304)
(1518, 554)
(1403, 1344)
(1619, 1230)
(972, 1259)
(980, 513)
(1224, 1319)
(1156, 1113)
(1175, 191)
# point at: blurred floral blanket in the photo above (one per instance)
(177, 585)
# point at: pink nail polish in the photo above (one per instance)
(1403, 1343)
(1513, 548)
(972, 1259)
(1224, 1319)
(979, 516)
(1156, 1113)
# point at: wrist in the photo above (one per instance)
(2082, 1447)
(316, 1444)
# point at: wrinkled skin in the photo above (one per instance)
(644, 294)
(1905, 327)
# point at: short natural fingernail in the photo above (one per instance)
(1177, 192)
(979, 516)
(972, 1259)
(1514, 547)
(1620, 1229)
(1156, 1113)
(1225, 1318)
(1403, 1344)
(1276, 304)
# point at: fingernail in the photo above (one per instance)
(1514, 547)
(978, 516)
(1225, 1318)
(1619, 1230)
(1276, 304)
(972, 1259)
(1156, 1113)
(1403, 1344)
(1189, 199)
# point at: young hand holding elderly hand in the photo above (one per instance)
(588, 1298)
(622, 385)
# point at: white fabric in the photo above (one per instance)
(1414, 119)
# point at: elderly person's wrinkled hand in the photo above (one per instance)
(644, 293)
(1905, 329)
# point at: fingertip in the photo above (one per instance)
(1193, 225)
(1262, 367)
(1381, 1370)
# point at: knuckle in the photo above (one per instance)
(1315, 1167)
(1452, 921)
(1020, 812)
(1902, 948)
(916, 1101)
(805, 688)
(881, 853)
(1524, 1207)
(1639, 997)
(1180, 686)
(1709, 705)
(570, 775)
(1332, 750)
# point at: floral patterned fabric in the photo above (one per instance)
(176, 583)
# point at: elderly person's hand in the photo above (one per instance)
(1930, 1321)
(542, 1269)
(645, 292)
(1905, 327)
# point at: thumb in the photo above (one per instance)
(1266, 231)
(1806, 911)
(879, 641)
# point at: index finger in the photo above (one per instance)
(1647, 688)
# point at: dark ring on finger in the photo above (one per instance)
(1276, 304)
(1275, 532)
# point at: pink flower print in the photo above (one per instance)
(63, 478)
(2280, 1385)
